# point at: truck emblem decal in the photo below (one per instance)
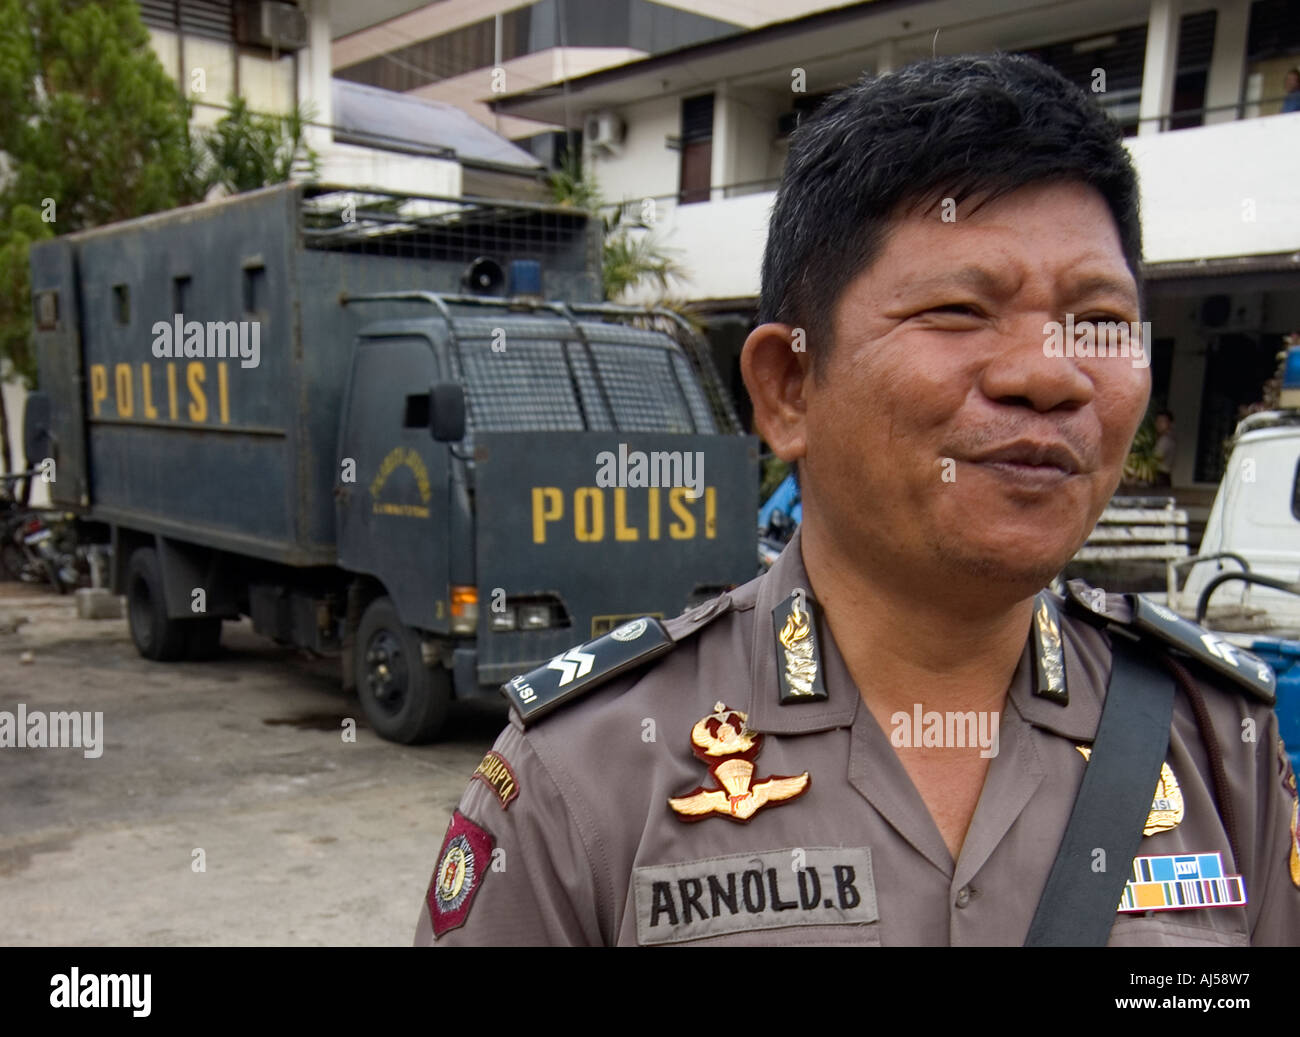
(398, 457)
(571, 664)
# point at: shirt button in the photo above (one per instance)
(963, 896)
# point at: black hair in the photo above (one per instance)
(959, 127)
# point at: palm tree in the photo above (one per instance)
(631, 255)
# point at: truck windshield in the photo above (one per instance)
(526, 373)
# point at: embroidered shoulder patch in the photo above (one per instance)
(494, 772)
(462, 866)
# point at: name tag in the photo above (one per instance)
(769, 890)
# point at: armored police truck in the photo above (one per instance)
(400, 429)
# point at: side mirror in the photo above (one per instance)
(447, 412)
(36, 428)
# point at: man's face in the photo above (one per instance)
(941, 443)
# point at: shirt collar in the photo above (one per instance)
(1086, 657)
(766, 713)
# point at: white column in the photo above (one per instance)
(1161, 63)
(886, 57)
(1228, 61)
(724, 142)
(314, 75)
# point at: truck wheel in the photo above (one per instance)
(203, 638)
(404, 700)
(156, 637)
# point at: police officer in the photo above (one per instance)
(895, 736)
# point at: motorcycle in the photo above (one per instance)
(34, 550)
(777, 520)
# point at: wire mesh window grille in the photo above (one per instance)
(435, 228)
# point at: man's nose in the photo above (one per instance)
(1023, 370)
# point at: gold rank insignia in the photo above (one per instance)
(798, 659)
(724, 741)
(1049, 653)
(1166, 805)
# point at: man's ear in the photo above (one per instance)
(777, 369)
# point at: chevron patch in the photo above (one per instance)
(578, 670)
(571, 664)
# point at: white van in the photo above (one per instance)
(1251, 548)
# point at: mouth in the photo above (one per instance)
(1030, 464)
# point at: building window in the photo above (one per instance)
(1272, 49)
(453, 53)
(697, 149)
(214, 19)
(1121, 54)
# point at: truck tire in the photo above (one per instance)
(203, 638)
(156, 636)
(404, 700)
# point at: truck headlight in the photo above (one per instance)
(534, 617)
(505, 620)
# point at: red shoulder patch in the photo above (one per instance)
(462, 866)
(1287, 774)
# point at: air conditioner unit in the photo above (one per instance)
(604, 131)
(274, 24)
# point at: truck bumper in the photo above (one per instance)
(466, 673)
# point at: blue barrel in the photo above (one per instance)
(1284, 657)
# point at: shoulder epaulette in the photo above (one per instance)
(1206, 647)
(585, 667)
(1153, 621)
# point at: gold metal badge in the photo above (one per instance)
(724, 741)
(800, 663)
(1166, 805)
(798, 660)
(1049, 655)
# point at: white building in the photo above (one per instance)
(702, 131)
(465, 52)
(276, 54)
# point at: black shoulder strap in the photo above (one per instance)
(1079, 904)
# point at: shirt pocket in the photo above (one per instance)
(793, 936)
(1159, 929)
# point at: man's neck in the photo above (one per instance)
(903, 645)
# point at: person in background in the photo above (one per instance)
(1291, 83)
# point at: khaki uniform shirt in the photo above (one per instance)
(572, 840)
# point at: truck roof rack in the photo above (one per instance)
(373, 221)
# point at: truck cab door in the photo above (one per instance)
(392, 488)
